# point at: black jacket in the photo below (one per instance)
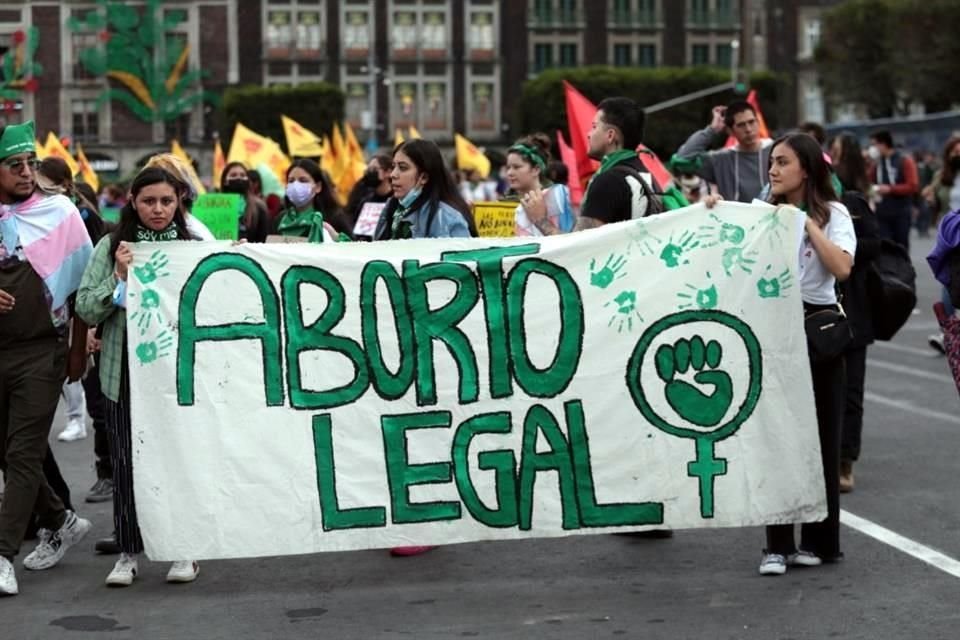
(854, 290)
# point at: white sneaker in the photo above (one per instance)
(8, 580)
(76, 430)
(804, 559)
(183, 571)
(773, 564)
(124, 571)
(935, 341)
(49, 551)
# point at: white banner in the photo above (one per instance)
(299, 398)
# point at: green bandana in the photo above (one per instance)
(606, 164)
(400, 229)
(17, 138)
(531, 154)
(149, 235)
(308, 224)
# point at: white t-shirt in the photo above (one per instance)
(817, 284)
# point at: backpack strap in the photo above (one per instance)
(654, 202)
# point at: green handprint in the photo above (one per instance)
(735, 257)
(771, 225)
(148, 352)
(610, 271)
(690, 403)
(705, 297)
(626, 311)
(773, 287)
(153, 269)
(672, 254)
(710, 235)
(148, 311)
(641, 237)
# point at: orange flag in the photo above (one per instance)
(86, 171)
(57, 150)
(219, 162)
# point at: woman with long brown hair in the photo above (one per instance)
(253, 218)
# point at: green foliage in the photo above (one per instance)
(18, 65)
(542, 106)
(884, 54)
(141, 55)
(315, 105)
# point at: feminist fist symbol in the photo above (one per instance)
(612, 270)
(690, 403)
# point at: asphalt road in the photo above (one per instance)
(699, 584)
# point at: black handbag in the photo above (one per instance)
(828, 334)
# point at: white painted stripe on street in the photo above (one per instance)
(910, 547)
(906, 405)
(911, 371)
(916, 351)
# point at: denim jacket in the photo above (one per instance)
(446, 223)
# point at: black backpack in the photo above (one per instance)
(891, 289)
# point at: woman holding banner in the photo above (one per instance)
(527, 162)
(153, 214)
(309, 204)
(425, 202)
(800, 176)
(253, 218)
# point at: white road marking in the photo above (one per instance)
(910, 547)
(916, 351)
(906, 405)
(912, 371)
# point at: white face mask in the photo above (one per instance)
(299, 193)
(873, 152)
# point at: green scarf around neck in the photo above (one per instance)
(307, 224)
(149, 235)
(606, 164)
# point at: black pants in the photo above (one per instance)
(856, 362)
(121, 449)
(821, 538)
(97, 411)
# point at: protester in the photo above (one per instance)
(943, 197)
(800, 176)
(372, 188)
(187, 188)
(896, 180)
(308, 202)
(425, 202)
(254, 222)
(112, 196)
(43, 248)
(154, 214)
(476, 188)
(740, 171)
(849, 167)
(527, 162)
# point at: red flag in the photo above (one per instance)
(569, 158)
(654, 166)
(763, 133)
(580, 113)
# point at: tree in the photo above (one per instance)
(140, 53)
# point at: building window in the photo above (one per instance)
(435, 116)
(621, 55)
(405, 97)
(434, 34)
(481, 41)
(279, 34)
(178, 128)
(404, 34)
(86, 121)
(811, 37)
(356, 34)
(542, 56)
(357, 102)
(699, 12)
(309, 34)
(724, 55)
(80, 40)
(647, 55)
(700, 54)
(481, 107)
(568, 55)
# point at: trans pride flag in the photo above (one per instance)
(53, 238)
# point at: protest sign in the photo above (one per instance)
(368, 219)
(495, 219)
(220, 212)
(298, 398)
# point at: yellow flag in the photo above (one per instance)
(414, 134)
(86, 171)
(219, 162)
(55, 149)
(353, 166)
(339, 148)
(326, 158)
(469, 157)
(300, 141)
(40, 148)
(397, 137)
(178, 151)
(246, 145)
(356, 151)
(272, 156)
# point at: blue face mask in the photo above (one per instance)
(411, 197)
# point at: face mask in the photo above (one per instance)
(955, 163)
(411, 197)
(299, 193)
(370, 179)
(873, 152)
(236, 185)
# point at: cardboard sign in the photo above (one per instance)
(220, 212)
(495, 219)
(647, 374)
(368, 219)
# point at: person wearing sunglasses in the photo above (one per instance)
(44, 248)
